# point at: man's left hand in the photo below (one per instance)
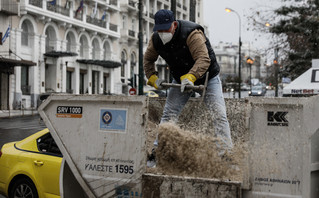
(187, 79)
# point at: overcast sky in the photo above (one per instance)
(224, 26)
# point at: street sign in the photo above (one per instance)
(132, 91)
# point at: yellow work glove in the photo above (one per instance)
(155, 82)
(187, 79)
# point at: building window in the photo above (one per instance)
(25, 88)
(25, 34)
(123, 61)
(82, 83)
(69, 82)
(124, 21)
(107, 51)
(133, 24)
(105, 78)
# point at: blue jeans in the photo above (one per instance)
(215, 103)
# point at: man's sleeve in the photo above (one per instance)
(197, 47)
(150, 57)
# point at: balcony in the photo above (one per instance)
(131, 33)
(9, 7)
(113, 27)
(78, 15)
(67, 16)
(37, 3)
(113, 3)
(95, 21)
(184, 8)
(58, 9)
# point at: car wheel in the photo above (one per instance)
(23, 188)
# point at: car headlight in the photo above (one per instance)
(259, 92)
(249, 92)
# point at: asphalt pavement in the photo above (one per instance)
(18, 128)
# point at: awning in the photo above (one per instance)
(103, 63)
(57, 54)
(13, 62)
(7, 64)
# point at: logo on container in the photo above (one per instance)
(277, 118)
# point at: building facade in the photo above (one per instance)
(79, 47)
(227, 57)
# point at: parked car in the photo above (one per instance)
(161, 93)
(30, 167)
(257, 90)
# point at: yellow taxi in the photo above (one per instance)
(151, 94)
(30, 168)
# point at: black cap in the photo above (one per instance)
(163, 20)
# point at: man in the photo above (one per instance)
(188, 52)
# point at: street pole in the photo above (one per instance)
(239, 51)
(140, 49)
(276, 72)
(250, 76)
(239, 64)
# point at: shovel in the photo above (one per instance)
(201, 88)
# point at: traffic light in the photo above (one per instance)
(131, 82)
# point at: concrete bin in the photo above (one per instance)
(103, 140)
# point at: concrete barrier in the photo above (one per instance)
(282, 136)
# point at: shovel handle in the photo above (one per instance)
(195, 88)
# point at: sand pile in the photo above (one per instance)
(185, 153)
(188, 148)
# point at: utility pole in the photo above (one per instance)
(276, 71)
(192, 10)
(140, 49)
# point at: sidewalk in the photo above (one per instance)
(14, 113)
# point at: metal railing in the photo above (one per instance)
(9, 6)
(131, 33)
(131, 3)
(77, 15)
(37, 3)
(58, 9)
(113, 2)
(113, 27)
(95, 21)
(184, 7)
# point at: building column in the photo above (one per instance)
(42, 65)
(101, 80)
(17, 93)
(77, 79)
(89, 79)
(34, 72)
(64, 65)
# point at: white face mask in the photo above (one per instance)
(165, 36)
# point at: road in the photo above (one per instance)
(244, 94)
(18, 128)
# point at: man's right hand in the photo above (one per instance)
(155, 82)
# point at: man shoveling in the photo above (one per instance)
(190, 57)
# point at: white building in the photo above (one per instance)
(78, 46)
(227, 57)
